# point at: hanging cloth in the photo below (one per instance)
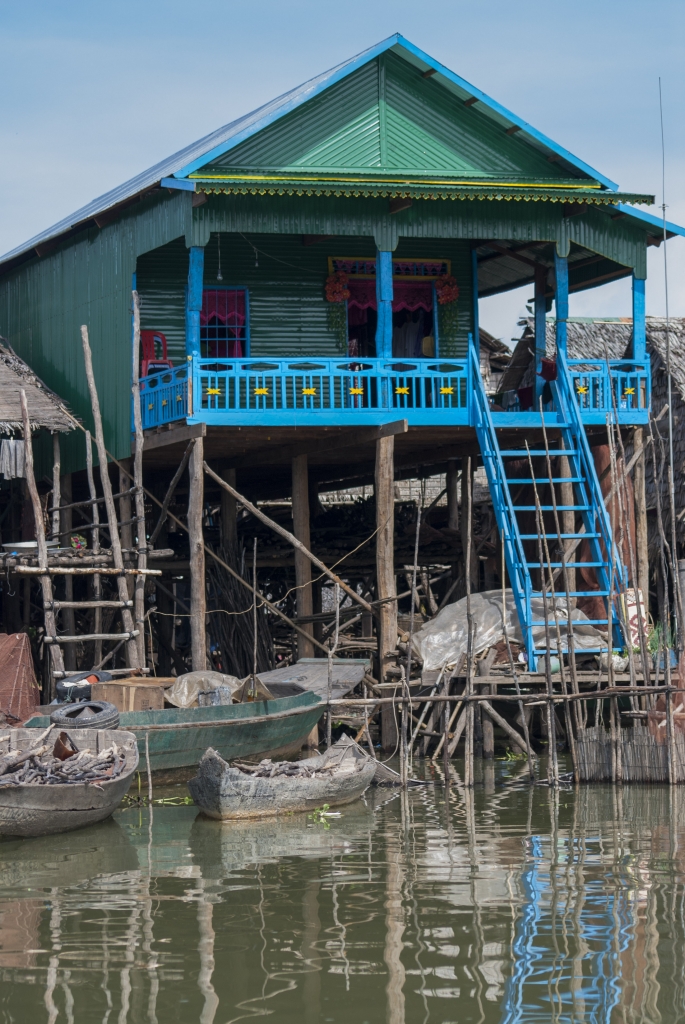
(12, 459)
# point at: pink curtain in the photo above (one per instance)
(226, 304)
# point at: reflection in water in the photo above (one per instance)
(503, 905)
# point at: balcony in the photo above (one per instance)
(343, 392)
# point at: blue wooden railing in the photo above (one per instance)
(339, 392)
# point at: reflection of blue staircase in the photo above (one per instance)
(563, 420)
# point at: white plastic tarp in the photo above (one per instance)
(184, 692)
(443, 640)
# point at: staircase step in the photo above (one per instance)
(560, 565)
(545, 480)
(58, 605)
(90, 636)
(572, 593)
(562, 536)
(550, 508)
(511, 453)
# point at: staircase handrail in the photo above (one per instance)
(571, 413)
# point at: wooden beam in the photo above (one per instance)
(314, 239)
(229, 512)
(470, 101)
(429, 73)
(397, 205)
(514, 128)
(198, 600)
(348, 437)
(385, 572)
(303, 567)
(173, 434)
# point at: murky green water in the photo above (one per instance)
(513, 904)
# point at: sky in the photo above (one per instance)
(93, 93)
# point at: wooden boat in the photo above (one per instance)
(178, 737)
(336, 777)
(30, 809)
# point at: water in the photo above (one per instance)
(513, 904)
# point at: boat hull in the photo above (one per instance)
(227, 793)
(38, 810)
(178, 737)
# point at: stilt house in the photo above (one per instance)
(309, 278)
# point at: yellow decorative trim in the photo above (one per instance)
(401, 391)
(353, 391)
(261, 391)
(213, 391)
(407, 182)
(308, 391)
(446, 391)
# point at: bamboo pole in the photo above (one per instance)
(512, 665)
(169, 494)
(56, 490)
(303, 566)
(468, 764)
(198, 596)
(97, 579)
(141, 541)
(55, 655)
(117, 556)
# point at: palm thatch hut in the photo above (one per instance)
(46, 409)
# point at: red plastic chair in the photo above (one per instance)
(152, 343)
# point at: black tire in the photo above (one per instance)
(105, 715)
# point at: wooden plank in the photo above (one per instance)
(198, 600)
(174, 434)
(313, 675)
(303, 567)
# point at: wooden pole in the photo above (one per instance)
(198, 600)
(469, 557)
(385, 574)
(229, 514)
(303, 566)
(452, 494)
(468, 550)
(141, 540)
(97, 580)
(45, 583)
(298, 545)
(117, 556)
(56, 489)
(641, 515)
(68, 615)
(169, 494)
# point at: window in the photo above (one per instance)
(224, 323)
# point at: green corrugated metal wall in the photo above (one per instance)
(386, 117)
(87, 280)
(288, 311)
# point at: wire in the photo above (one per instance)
(285, 263)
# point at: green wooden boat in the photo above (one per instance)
(178, 737)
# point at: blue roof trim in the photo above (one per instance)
(289, 101)
(649, 218)
(184, 186)
(499, 109)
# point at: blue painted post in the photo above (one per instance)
(639, 321)
(196, 267)
(384, 304)
(540, 329)
(474, 302)
(561, 299)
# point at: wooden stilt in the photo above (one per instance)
(488, 731)
(452, 494)
(140, 530)
(467, 534)
(68, 615)
(198, 600)
(303, 567)
(95, 541)
(641, 515)
(385, 572)
(46, 587)
(229, 508)
(467, 546)
(56, 489)
(117, 556)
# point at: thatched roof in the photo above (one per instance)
(44, 404)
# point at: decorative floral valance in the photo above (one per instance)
(405, 296)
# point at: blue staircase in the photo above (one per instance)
(563, 420)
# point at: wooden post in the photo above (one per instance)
(641, 516)
(117, 556)
(303, 567)
(95, 543)
(56, 489)
(68, 614)
(466, 527)
(229, 512)
(452, 495)
(140, 531)
(487, 731)
(385, 572)
(41, 546)
(198, 600)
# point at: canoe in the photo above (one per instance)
(31, 809)
(178, 737)
(226, 792)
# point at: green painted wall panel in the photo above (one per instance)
(387, 117)
(339, 127)
(161, 276)
(87, 280)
